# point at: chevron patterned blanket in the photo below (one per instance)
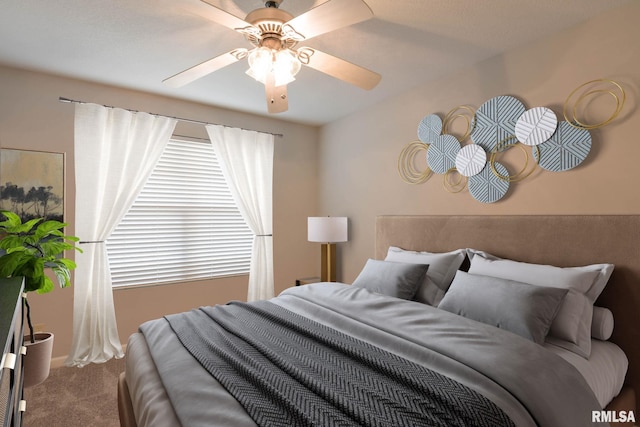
(288, 370)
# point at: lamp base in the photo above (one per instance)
(328, 265)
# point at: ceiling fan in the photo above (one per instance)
(275, 59)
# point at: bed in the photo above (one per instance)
(473, 372)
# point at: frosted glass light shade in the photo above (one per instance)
(285, 67)
(260, 63)
(327, 229)
(282, 63)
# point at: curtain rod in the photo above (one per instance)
(198, 122)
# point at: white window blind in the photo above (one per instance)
(184, 225)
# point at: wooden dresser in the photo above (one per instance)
(11, 333)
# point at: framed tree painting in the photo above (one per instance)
(32, 183)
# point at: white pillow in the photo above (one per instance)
(602, 324)
(571, 329)
(442, 269)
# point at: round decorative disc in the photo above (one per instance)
(429, 128)
(496, 120)
(566, 149)
(470, 160)
(486, 187)
(442, 153)
(536, 126)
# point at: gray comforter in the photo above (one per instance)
(287, 370)
(530, 384)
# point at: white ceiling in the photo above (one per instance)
(138, 43)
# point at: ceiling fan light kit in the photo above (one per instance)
(282, 63)
(274, 33)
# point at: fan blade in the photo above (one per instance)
(222, 17)
(277, 99)
(329, 16)
(339, 68)
(206, 67)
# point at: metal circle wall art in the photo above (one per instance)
(442, 153)
(470, 160)
(518, 176)
(495, 120)
(567, 148)
(536, 126)
(500, 124)
(453, 186)
(429, 128)
(588, 91)
(486, 187)
(406, 166)
(463, 112)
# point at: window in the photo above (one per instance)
(184, 225)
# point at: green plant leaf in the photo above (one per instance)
(12, 220)
(46, 285)
(11, 263)
(11, 241)
(33, 247)
(27, 226)
(54, 247)
(69, 264)
(35, 283)
(48, 228)
(63, 275)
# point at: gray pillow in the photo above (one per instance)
(518, 307)
(442, 268)
(571, 327)
(395, 279)
(602, 323)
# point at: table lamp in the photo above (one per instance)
(327, 230)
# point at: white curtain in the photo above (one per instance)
(246, 159)
(115, 151)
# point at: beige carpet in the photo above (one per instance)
(75, 397)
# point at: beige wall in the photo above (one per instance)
(32, 118)
(358, 155)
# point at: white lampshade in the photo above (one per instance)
(327, 229)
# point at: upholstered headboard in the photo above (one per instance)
(565, 241)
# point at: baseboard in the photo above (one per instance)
(58, 362)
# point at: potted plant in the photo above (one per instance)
(28, 250)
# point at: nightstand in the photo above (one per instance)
(307, 280)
